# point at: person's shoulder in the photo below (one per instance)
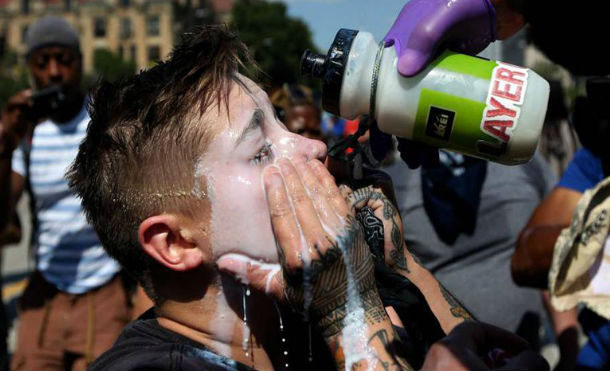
(146, 345)
(583, 172)
(139, 346)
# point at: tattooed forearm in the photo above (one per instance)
(457, 309)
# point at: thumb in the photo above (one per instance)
(258, 276)
(412, 61)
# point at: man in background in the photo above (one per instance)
(75, 303)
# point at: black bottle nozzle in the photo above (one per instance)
(313, 64)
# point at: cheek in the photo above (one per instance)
(240, 217)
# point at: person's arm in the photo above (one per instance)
(534, 250)
(446, 308)
(566, 329)
(13, 127)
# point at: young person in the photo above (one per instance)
(232, 225)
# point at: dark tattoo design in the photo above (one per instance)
(323, 284)
(373, 231)
(457, 309)
(397, 257)
(390, 361)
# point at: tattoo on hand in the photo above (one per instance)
(326, 281)
(398, 260)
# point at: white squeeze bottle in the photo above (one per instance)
(482, 108)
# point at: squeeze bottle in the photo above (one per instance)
(482, 108)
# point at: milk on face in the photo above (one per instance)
(482, 108)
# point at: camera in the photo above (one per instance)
(46, 101)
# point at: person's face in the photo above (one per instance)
(250, 138)
(56, 65)
(305, 120)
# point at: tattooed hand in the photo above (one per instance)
(382, 222)
(384, 234)
(320, 244)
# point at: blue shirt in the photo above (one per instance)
(68, 251)
(583, 172)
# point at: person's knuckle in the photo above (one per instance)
(280, 210)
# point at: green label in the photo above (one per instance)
(465, 64)
(448, 121)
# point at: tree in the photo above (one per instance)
(276, 40)
(111, 66)
(12, 78)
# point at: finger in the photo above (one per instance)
(332, 191)
(412, 61)
(328, 218)
(283, 220)
(259, 276)
(304, 209)
(21, 99)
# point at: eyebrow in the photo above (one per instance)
(255, 123)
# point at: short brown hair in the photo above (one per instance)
(144, 141)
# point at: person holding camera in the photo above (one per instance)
(75, 303)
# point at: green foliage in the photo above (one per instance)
(12, 78)
(111, 66)
(276, 40)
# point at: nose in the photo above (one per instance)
(53, 71)
(312, 149)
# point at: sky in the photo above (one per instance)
(326, 17)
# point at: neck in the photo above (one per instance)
(216, 320)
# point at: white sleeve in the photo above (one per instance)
(18, 163)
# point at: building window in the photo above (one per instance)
(99, 27)
(125, 28)
(152, 25)
(24, 32)
(25, 6)
(154, 53)
(132, 52)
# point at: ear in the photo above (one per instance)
(161, 236)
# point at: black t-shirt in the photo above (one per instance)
(146, 345)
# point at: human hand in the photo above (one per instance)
(321, 247)
(424, 26)
(382, 224)
(15, 123)
(469, 345)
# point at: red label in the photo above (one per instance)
(503, 107)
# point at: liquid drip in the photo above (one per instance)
(355, 330)
(310, 353)
(279, 315)
(245, 344)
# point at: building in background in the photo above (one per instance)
(140, 30)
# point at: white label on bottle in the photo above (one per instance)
(503, 107)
